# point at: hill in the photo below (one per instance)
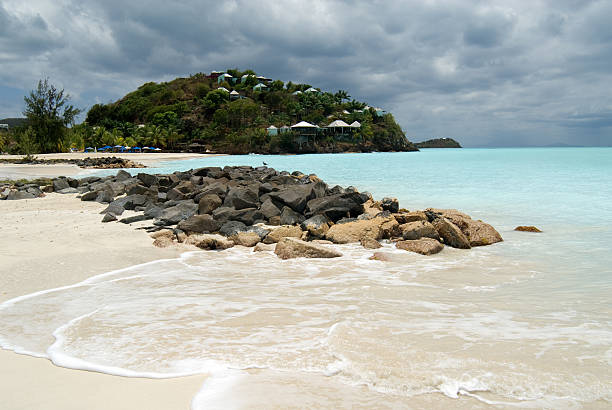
(241, 112)
(14, 122)
(438, 143)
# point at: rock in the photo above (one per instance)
(153, 211)
(389, 204)
(163, 233)
(355, 231)
(260, 231)
(263, 247)
(199, 224)
(175, 214)
(369, 243)
(60, 183)
(248, 239)
(390, 228)
(209, 203)
(241, 198)
(418, 229)
(451, 234)
(147, 179)
(407, 217)
(231, 228)
(290, 217)
(424, 246)
(247, 216)
(175, 195)
(283, 232)
(134, 189)
(477, 232)
(123, 175)
(209, 241)
(105, 196)
(109, 217)
(69, 190)
(317, 226)
(371, 208)
(163, 242)
(335, 207)
(116, 207)
(288, 248)
(135, 218)
(527, 229)
(89, 196)
(16, 195)
(268, 209)
(295, 197)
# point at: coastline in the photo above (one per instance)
(26, 171)
(56, 241)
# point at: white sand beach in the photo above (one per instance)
(18, 171)
(55, 241)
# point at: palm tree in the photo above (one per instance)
(341, 95)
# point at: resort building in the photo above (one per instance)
(4, 127)
(272, 130)
(225, 77)
(234, 95)
(260, 87)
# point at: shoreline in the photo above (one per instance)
(56, 241)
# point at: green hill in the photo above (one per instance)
(236, 112)
(438, 143)
(14, 122)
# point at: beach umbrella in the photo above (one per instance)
(156, 149)
(118, 146)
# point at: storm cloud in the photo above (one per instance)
(490, 73)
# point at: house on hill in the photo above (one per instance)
(260, 87)
(225, 77)
(4, 127)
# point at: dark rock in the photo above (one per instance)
(175, 195)
(231, 228)
(60, 183)
(241, 198)
(335, 207)
(147, 179)
(199, 224)
(69, 190)
(133, 189)
(135, 218)
(89, 196)
(247, 215)
(123, 175)
(109, 217)
(348, 220)
(175, 214)
(262, 232)
(295, 197)
(73, 182)
(209, 203)
(390, 204)
(317, 226)
(16, 195)
(216, 188)
(153, 211)
(290, 217)
(269, 210)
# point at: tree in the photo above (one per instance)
(49, 115)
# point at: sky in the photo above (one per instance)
(488, 73)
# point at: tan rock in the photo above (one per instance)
(418, 229)
(274, 220)
(288, 248)
(451, 234)
(527, 229)
(163, 242)
(248, 239)
(407, 217)
(424, 246)
(390, 228)
(478, 232)
(370, 243)
(164, 233)
(263, 247)
(209, 241)
(356, 230)
(322, 242)
(284, 231)
(372, 207)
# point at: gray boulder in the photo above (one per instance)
(147, 179)
(60, 183)
(199, 224)
(296, 197)
(122, 175)
(269, 210)
(317, 226)
(175, 214)
(208, 203)
(241, 198)
(109, 217)
(290, 217)
(336, 207)
(231, 228)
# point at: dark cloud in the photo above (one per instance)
(488, 72)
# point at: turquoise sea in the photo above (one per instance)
(523, 323)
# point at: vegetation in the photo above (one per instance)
(195, 113)
(438, 143)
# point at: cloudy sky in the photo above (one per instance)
(490, 73)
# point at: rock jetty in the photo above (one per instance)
(217, 208)
(97, 163)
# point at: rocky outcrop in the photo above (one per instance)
(438, 143)
(527, 229)
(418, 229)
(477, 232)
(356, 230)
(288, 248)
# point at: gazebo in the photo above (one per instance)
(304, 131)
(272, 130)
(338, 127)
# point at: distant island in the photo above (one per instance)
(240, 112)
(438, 143)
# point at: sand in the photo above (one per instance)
(59, 240)
(18, 171)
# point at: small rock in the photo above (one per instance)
(248, 239)
(527, 229)
(209, 241)
(424, 246)
(283, 232)
(263, 247)
(109, 217)
(288, 248)
(370, 243)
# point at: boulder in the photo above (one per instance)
(247, 216)
(231, 228)
(295, 197)
(199, 224)
(134, 189)
(248, 239)
(259, 230)
(424, 246)
(164, 233)
(174, 214)
(109, 217)
(407, 217)
(268, 209)
(147, 179)
(105, 196)
(209, 203)
(163, 242)
(478, 233)
(241, 198)
(288, 248)
(123, 175)
(60, 183)
(69, 190)
(389, 204)
(317, 226)
(418, 229)
(335, 207)
(16, 195)
(369, 243)
(450, 233)
(283, 232)
(89, 196)
(527, 229)
(209, 241)
(135, 218)
(390, 228)
(263, 247)
(289, 217)
(355, 231)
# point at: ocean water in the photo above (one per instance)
(523, 323)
